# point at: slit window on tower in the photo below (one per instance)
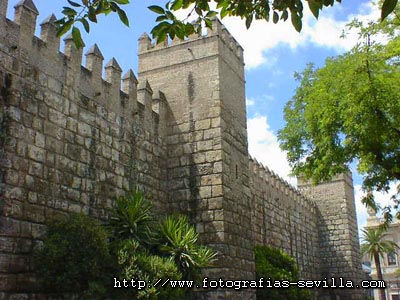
(237, 173)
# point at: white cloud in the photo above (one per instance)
(383, 199)
(264, 147)
(264, 98)
(268, 98)
(263, 36)
(325, 32)
(361, 210)
(250, 102)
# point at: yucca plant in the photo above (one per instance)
(178, 239)
(132, 218)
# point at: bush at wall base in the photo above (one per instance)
(80, 258)
(74, 257)
(275, 265)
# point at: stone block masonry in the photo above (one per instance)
(72, 141)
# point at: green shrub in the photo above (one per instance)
(139, 264)
(132, 218)
(274, 264)
(178, 240)
(74, 256)
(79, 257)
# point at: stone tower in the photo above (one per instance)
(338, 234)
(208, 173)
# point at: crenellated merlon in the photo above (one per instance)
(118, 95)
(282, 186)
(94, 63)
(48, 34)
(113, 76)
(25, 16)
(129, 87)
(218, 30)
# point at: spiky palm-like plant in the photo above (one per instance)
(132, 218)
(179, 241)
(375, 246)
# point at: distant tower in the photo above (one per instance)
(203, 81)
(339, 243)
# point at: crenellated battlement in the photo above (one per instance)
(113, 92)
(274, 180)
(218, 30)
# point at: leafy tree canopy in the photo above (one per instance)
(86, 12)
(348, 111)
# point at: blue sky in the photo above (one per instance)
(272, 54)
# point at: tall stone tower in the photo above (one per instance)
(338, 234)
(208, 173)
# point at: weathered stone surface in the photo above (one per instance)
(75, 142)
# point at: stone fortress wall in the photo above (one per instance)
(286, 219)
(72, 141)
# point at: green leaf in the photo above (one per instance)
(76, 36)
(222, 4)
(266, 12)
(329, 2)
(106, 11)
(224, 12)
(285, 15)
(208, 23)
(65, 27)
(159, 31)
(85, 24)
(161, 18)
(114, 6)
(177, 4)
(211, 14)
(296, 21)
(248, 21)
(106, 5)
(387, 7)
(122, 2)
(186, 3)
(157, 9)
(123, 17)
(74, 3)
(170, 15)
(92, 14)
(180, 33)
(171, 33)
(69, 11)
(60, 21)
(161, 38)
(315, 7)
(275, 17)
(99, 8)
(189, 29)
(198, 11)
